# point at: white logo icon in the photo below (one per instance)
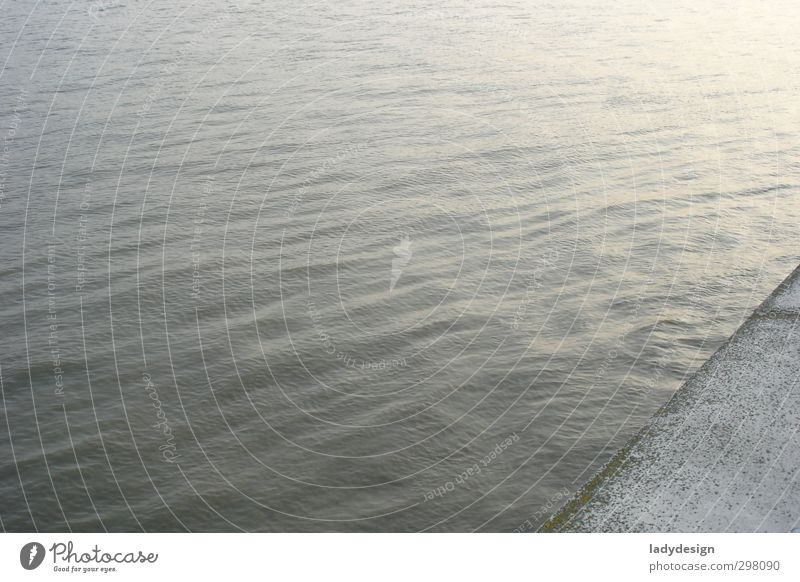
(402, 256)
(31, 555)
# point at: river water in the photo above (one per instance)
(367, 266)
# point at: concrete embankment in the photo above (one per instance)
(724, 453)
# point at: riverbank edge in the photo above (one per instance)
(568, 517)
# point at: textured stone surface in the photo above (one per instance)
(724, 453)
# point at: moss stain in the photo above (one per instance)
(587, 492)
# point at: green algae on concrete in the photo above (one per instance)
(570, 510)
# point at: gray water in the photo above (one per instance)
(366, 266)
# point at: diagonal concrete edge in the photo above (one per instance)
(722, 454)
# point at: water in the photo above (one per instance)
(371, 266)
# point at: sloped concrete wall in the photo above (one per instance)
(724, 453)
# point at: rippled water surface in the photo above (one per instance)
(371, 266)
